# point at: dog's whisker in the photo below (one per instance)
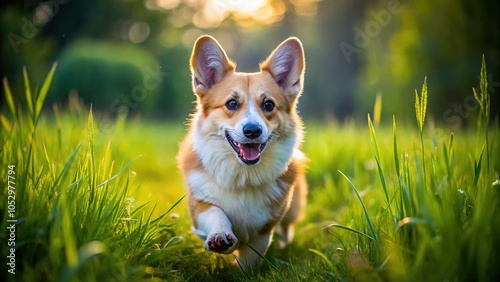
(275, 134)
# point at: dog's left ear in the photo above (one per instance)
(287, 64)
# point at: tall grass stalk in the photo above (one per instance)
(483, 100)
(84, 211)
(436, 227)
(420, 111)
(74, 219)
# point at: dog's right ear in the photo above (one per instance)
(209, 64)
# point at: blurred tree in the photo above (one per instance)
(353, 48)
(113, 77)
(104, 49)
(336, 80)
(443, 40)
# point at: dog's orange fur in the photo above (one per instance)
(230, 200)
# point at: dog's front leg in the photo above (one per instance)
(249, 255)
(213, 226)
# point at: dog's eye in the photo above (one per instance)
(268, 106)
(232, 105)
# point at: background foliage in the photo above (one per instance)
(354, 50)
(98, 193)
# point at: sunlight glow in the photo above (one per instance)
(241, 7)
(244, 12)
(212, 13)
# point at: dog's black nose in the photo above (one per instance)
(252, 130)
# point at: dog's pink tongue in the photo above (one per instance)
(249, 152)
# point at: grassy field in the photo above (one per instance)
(95, 200)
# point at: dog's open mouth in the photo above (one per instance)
(249, 153)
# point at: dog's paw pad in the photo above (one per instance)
(220, 242)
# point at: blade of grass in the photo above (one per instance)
(44, 90)
(410, 221)
(8, 97)
(351, 229)
(67, 231)
(321, 255)
(367, 216)
(377, 109)
(448, 157)
(395, 146)
(376, 154)
(27, 91)
(400, 203)
(381, 175)
(477, 166)
(91, 170)
(64, 172)
(169, 210)
(85, 254)
(5, 123)
(338, 238)
(260, 255)
(117, 174)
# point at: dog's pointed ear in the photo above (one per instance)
(287, 64)
(209, 64)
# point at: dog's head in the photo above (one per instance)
(248, 112)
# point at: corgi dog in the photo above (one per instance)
(240, 158)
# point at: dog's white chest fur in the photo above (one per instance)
(248, 208)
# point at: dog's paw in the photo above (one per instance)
(221, 243)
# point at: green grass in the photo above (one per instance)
(101, 201)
